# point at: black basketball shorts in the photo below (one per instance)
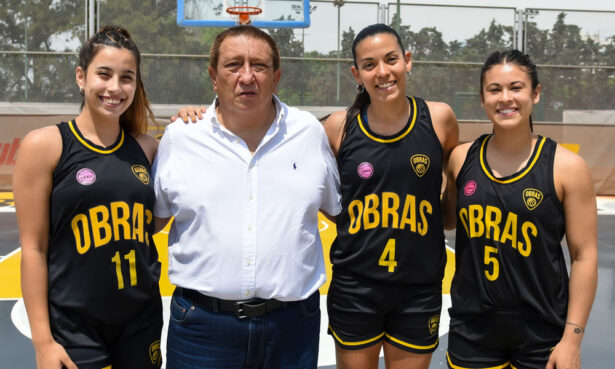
(363, 312)
(511, 338)
(95, 345)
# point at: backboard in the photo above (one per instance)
(213, 13)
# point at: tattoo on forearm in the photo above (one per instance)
(577, 328)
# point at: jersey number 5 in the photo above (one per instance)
(387, 259)
(491, 259)
(132, 263)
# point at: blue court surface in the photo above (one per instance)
(16, 350)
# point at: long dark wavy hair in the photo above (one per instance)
(362, 100)
(513, 57)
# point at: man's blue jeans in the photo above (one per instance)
(200, 338)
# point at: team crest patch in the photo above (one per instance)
(434, 324)
(420, 164)
(469, 188)
(365, 170)
(154, 353)
(141, 173)
(532, 198)
(86, 176)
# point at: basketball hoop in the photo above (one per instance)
(244, 13)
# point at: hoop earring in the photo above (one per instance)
(81, 90)
(409, 75)
(360, 89)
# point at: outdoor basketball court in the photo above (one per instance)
(16, 350)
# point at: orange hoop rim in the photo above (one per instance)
(244, 12)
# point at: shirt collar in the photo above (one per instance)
(280, 114)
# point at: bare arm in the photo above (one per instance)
(455, 162)
(334, 127)
(575, 188)
(447, 129)
(32, 183)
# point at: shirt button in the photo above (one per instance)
(250, 228)
(251, 197)
(247, 293)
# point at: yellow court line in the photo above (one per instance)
(572, 147)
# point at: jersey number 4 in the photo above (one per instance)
(132, 263)
(387, 258)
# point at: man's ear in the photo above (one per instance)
(212, 75)
(276, 79)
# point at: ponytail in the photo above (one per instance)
(361, 102)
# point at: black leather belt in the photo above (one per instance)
(241, 309)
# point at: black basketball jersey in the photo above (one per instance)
(102, 259)
(507, 250)
(390, 227)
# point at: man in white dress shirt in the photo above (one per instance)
(245, 185)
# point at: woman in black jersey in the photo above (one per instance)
(513, 305)
(389, 256)
(84, 201)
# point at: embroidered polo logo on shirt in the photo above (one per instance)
(154, 353)
(86, 176)
(469, 188)
(420, 164)
(434, 324)
(365, 170)
(532, 198)
(141, 173)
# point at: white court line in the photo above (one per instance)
(9, 254)
(606, 205)
(7, 209)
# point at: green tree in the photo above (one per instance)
(427, 44)
(346, 43)
(42, 25)
(496, 37)
(537, 41)
(292, 87)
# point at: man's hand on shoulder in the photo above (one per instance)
(189, 113)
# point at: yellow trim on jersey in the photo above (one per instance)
(107, 367)
(416, 347)
(391, 139)
(355, 343)
(502, 366)
(86, 144)
(482, 155)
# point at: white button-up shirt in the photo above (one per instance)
(246, 225)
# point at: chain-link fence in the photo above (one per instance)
(575, 51)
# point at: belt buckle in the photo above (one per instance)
(239, 310)
(240, 306)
